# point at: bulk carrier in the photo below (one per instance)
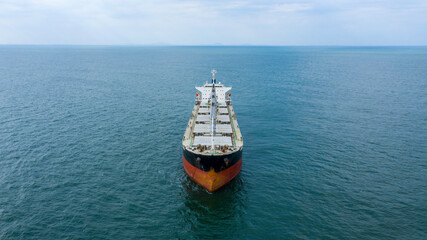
(212, 144)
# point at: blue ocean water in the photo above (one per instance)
(335, 143)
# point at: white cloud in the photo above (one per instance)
(290, 7)
(259, 22)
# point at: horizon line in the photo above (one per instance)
(201, 45)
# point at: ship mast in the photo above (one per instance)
(213, 110)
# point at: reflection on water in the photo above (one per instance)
(211, 215)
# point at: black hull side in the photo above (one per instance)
(217, 162)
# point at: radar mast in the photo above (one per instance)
(213, 75)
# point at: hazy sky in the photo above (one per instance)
(256, 22)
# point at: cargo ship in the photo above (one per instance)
(212, 144)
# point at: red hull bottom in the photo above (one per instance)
(212, 180)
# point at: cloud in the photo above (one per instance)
(292, 7)
(189, 22)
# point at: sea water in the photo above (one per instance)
(335, 143)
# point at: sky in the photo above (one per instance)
(220, 22)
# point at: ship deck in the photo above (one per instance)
(198, 135)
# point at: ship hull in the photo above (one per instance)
(212, 172)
